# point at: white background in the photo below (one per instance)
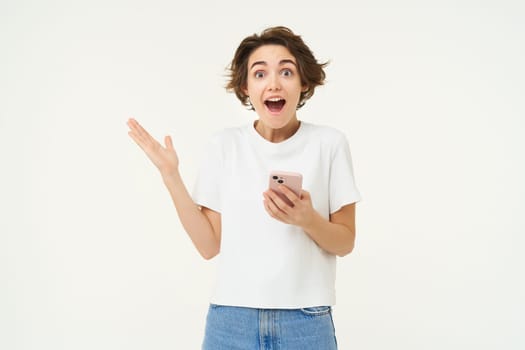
(429, 93)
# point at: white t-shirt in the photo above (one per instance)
(263, 262)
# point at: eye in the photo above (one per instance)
(259, 74)
(287, 72)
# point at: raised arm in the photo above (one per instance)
(203, 225)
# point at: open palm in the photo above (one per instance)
(164, 157)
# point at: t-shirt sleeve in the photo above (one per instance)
(343, 190)
(207, 189)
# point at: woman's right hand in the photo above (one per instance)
(164, 157)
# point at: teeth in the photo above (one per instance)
(275, 99)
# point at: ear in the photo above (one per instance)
(305, 88)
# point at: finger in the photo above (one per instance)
(134, 136)
(139, 130)
(275, 212)
(137, 140)
(289, 194)
(276, 204)
(268, 209)
(132, 124)
(168, 142)
(272, 206)
(134, 130)
(305, 195)
(277, 200)
(143, 138)
(266, 203)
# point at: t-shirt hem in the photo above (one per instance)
(208, 205)
(343, 203)
(313, 303)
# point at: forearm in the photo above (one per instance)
(335, 238)
(195, 223)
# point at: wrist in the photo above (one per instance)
(171, 177)
(313, 221)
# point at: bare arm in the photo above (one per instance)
(336, 235)
(201, 224)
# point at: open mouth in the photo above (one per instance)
(275, 104)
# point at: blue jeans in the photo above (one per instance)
(241, 328)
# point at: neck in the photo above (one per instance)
(277, 135)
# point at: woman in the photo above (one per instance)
(276, 272)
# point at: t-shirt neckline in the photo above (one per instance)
(261, 140)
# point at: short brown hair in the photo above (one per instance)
(310, 71)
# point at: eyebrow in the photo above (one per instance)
(281, 62)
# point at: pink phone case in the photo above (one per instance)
(294, 181)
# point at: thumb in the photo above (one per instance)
(168, 142)
(305, 195)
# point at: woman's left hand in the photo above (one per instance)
(301, 213)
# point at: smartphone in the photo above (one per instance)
(294, 181)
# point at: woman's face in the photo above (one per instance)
(274, 85)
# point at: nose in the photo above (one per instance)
(274, 83)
